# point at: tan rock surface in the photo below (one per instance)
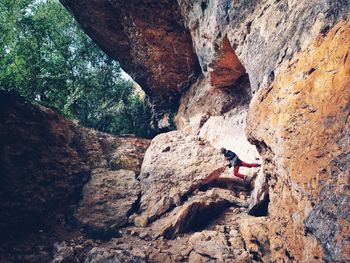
(164, 179)
(212, 244)
(254, 232)
(101, 150)
(108, 199)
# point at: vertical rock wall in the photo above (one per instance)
(303, 118)
(263, 34)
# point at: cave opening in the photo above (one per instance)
(262, 208)
(230, 78)
(203, 217)
(198, 219)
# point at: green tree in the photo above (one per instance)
(48, 59)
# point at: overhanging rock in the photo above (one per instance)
(148, 39)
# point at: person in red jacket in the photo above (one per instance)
(235, 162)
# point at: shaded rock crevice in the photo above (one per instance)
(197, 213)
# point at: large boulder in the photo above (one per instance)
(108, 200)
(174, 165)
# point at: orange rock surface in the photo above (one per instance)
(303, 119)
(228, 68)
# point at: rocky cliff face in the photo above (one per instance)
(303, 123)
(277, 71)
(273, 85)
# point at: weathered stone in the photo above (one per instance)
(196, 213)
(161, 257)
(285, 65)
(301, 125)
(218, 116)
(226, 195)
(102, 150)
(211, 244)
(137, 252)
(259, 197)
(197, 258)
(262, 34)
(334, 235)
(63, 253)
(227, 68)
(203, 100)
(40, 169)
(161, 172)
(255, 237)
(53, 159)
(97, 255)
(186, 251)
(141, 221)
(107, 201)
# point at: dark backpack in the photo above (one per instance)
(232, 157)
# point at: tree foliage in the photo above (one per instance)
(45, 57)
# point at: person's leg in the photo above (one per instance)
(249, 164)
(236, 173)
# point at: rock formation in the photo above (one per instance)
(99, 210)
(164, 185)
(149, 40)
(307, 133)
(118, 210)
(40, 169)
(45, 161)
(283, 66)
(267, 79)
